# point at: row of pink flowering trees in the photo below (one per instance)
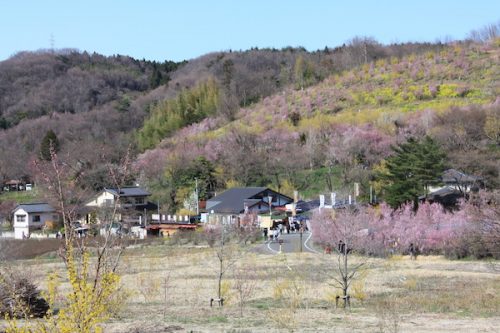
(471, 230)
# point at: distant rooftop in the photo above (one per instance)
(452, 176)
(128, 192)
(36, 208)
(233, 200)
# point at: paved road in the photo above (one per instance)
(290, 243)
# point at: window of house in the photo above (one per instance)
(36, 218)
(139, 201)
(21, 218)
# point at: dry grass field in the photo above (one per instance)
(169, 289)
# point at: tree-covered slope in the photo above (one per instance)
(90, 101)
(338, 131)
(33, 84)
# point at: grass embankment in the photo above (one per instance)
(21, 196)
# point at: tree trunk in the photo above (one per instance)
(219, 289)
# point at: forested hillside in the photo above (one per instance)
(339, 131)
(88, 100)
(94, 104)
(41, 83)
(290, 119)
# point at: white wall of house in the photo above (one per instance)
(21, 232)
(107, 199)
(227, 219)
(103, 199)
(25, 222)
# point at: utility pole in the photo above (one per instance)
(197, 198)
(158, 205)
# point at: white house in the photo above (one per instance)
(131, 202)
(130, 197)
(34, 216)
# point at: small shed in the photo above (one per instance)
(14, 185)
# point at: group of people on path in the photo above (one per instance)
(272, 234)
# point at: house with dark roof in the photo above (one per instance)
(131, 202)
(125, 197)
(461, 181)
(456, 184)
(229, 206)
(33, 216)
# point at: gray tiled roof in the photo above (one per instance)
(452, 176)
(36, 208)
(233, 200)
(129, 192)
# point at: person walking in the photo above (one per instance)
(413, 252)
(276, 233)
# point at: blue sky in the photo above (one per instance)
(185, 29)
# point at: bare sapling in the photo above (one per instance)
(245, 283)
(342, 232)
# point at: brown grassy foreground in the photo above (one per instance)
(170, 288)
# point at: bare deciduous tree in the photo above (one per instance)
(342, 232)
(226, 241)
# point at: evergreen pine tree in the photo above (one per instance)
(156, 78)
(414, 166)
(49, 141)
